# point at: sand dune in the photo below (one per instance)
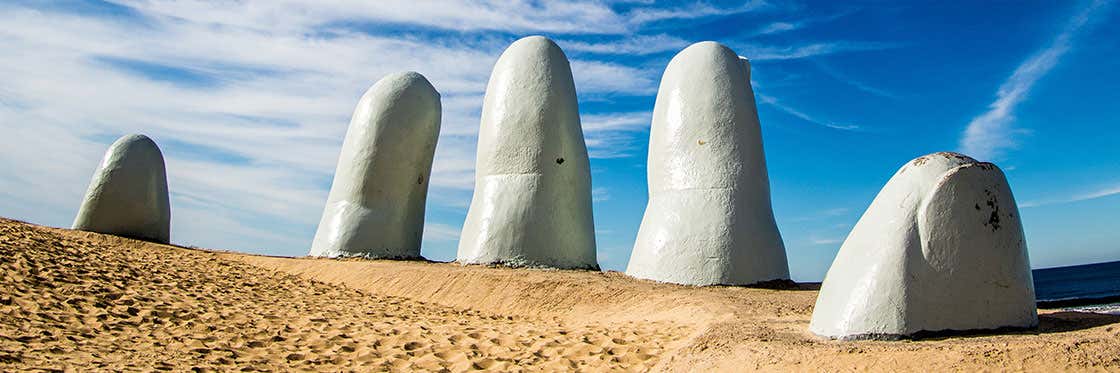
(87, 301)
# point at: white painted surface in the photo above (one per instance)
(128, 194)
(532, 196)
(376, 205)
(940, 248)
(709, 219)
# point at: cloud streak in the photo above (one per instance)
(791, 25)
(826, 241)
(1099, 193)
(857, 84)
(757, 52)
(775, 103)
(989, 135)
(615, 135)
(634, 45)
(568, 17)
(696, 10)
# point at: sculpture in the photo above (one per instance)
(709, 219)
(532, 196)
(941, 248)
(376, 204)
(128, 194)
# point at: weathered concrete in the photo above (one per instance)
(128, 194)
(709, 219)
(940, 248)
(376, 205)
(532, 196)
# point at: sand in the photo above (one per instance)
(84, 301)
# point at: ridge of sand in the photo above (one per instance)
(84, 301)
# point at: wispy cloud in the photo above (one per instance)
(440, 232)
(633, 45)
(991, 133)
(824, 232)
(757, 52)
(1099, 193)
(570, 17)
(826, 241)
(651, 44)
(791, 25)
(617, 121)
(778, 27)
(857, 84)
(696, 10)
(474, 15)
(600, 194)
(775, 103)
(614, 135)
(593, 77)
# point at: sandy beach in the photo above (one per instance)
(84, 301)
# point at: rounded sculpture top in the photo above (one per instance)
(705, 131)
(381, 122)
(128, 193)
(399, 94)
(705, 55)
(534, 42)
(133, 148)
(920, 175)
(530, 116)
(938, 162)
(403, 98)
(136, 138)
(404, 82)
(532, 57)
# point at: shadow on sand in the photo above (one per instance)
(1057, 322)
(1066, 321)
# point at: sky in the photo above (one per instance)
(250, 101)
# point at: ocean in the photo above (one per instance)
(1088, 287)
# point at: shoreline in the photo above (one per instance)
(1079, 302)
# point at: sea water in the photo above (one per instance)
(1088, 287)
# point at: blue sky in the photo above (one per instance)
(250, 102)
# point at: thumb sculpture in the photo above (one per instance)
(940, 248)
(532, 196)
(128, 194)
(709, 219)
(375, 208)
